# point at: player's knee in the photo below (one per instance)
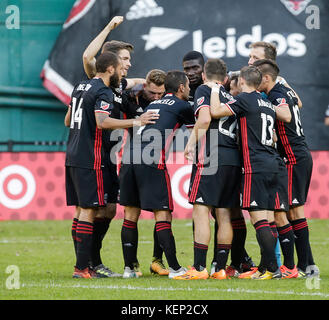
(281, 219)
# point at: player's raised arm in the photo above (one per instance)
(285, 83)
(93, 48)
(199, 130)
(217, 109)
(134, 81)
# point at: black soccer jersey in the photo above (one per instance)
(85, 147)
(151, 142)
(219, 145)
(256, 118)
(291, 140)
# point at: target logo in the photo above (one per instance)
(180, 183)
(17, 186)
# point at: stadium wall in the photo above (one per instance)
(32, 187)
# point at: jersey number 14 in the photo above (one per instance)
(76, 113)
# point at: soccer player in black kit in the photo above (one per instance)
(216, 180)
(293, 149)
(144, 180)
(256, 118)
(89, 113)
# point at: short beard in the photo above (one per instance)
(115, 81)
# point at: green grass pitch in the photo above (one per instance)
(42, 252)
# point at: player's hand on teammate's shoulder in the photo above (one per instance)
(115, 22)
(148, 117)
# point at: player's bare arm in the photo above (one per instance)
(67, 119)
(93, 48)
(283, 113)
(105, 122)
(134, 81)
(199, 130)
(217, 109)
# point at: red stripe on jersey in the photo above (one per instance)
(200, 165)
(245, 146)
(97, 149)
(246, 161)
(285, 142)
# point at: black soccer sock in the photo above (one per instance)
(310, 255)
(267, 244)
(157, 250)
(84, 235)
(302, 244)
(167, 243)
(101, 225)
(200, 256)
(223, 251)
(238, 252)
(129, 241)
(274, 229)
(73, 233)
(287, 243)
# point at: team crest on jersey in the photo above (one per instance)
(200, 101)
(296, 6)
(104, 105)
(281, 101)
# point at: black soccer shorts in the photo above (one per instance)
(85, 187)
(299, 178)
(219, 190)
(258, 191)
(111, 182)
(281, 199)
(145, 187)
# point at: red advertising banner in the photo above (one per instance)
(32, 187)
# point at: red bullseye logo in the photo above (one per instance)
(17, 187)
(180, 183)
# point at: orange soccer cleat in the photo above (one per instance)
(193, 274)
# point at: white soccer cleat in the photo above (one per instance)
(129, 273)
(175, 273)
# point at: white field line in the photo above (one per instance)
(323, 242)
(187, 289)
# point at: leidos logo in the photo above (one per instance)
(231, 46)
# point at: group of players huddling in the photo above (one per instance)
(248, 151)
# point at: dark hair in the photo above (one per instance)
(194, 55)
(267, 66)
(174, 79)
(269, 49)
(105, 60)
(215, 69)
(251, 75)
(115, 46)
